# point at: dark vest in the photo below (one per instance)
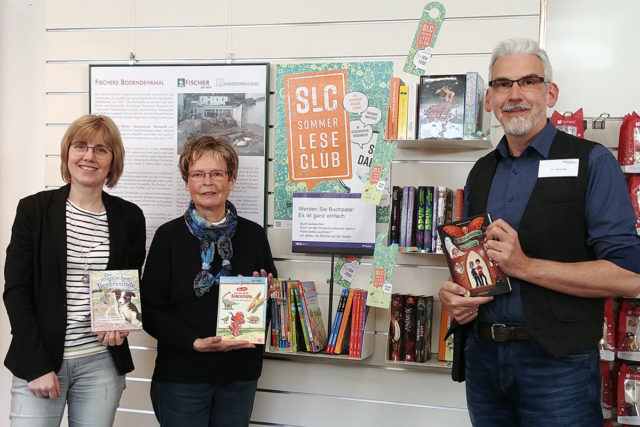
(553, 228)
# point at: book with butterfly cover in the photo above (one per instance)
(464, 246)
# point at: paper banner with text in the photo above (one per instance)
(425, 38)
(380, 285)
(325, 112)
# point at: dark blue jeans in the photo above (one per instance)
(518, 383)
(203, 405)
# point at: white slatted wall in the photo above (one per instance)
(303, 391)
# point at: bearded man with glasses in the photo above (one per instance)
(565, 234)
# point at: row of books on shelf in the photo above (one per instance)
(297, 324)
(442, 106)
(348, 329)
(417, 211)
(296, 318)
(409, 338)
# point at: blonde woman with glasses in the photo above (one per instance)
(57, 238)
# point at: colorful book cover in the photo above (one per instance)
(464, 244)
(310, 298)
(396, 349)
(368, 78)
(380, 284)
(115, 300)
(409, 329)
(242, 309)
(403, 106)
(344, 324)
(441, 106)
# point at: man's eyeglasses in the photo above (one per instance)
(215, 175)
(526, 83)
(99, 150)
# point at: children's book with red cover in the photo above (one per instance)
(464, 246)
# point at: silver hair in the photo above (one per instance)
(520, 46)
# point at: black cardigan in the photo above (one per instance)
(35, 278)
(173, 315)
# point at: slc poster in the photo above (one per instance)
(329, 118)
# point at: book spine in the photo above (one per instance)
(392, 115)
(363, 322)
(315, 314)
(473, 103)
(307, 319)
(428, 218)
(353, 335)
(395, 328)
(412, 112)
(273, 304)
(434, 221)
(403, 103)
(396, 194)
(403, 217)
(421, 320)
(459, 204)
(291, 305)
(409, 332)
(346, 316)
(284, 316)
(411, 203)
(445, 347)
(336, 321)
(420, 219)
(301, 318)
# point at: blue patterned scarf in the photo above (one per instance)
(211, 237)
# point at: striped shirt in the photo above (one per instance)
(87, 249)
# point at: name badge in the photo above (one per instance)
(558, 168)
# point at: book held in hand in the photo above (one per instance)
(464, 246)
(115, 300)
(242, 309)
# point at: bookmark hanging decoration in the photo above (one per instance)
(425, 38)
(380, 285)
(379, 173)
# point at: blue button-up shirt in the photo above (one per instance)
(609, 215)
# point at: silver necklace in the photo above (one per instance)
(85, 254)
